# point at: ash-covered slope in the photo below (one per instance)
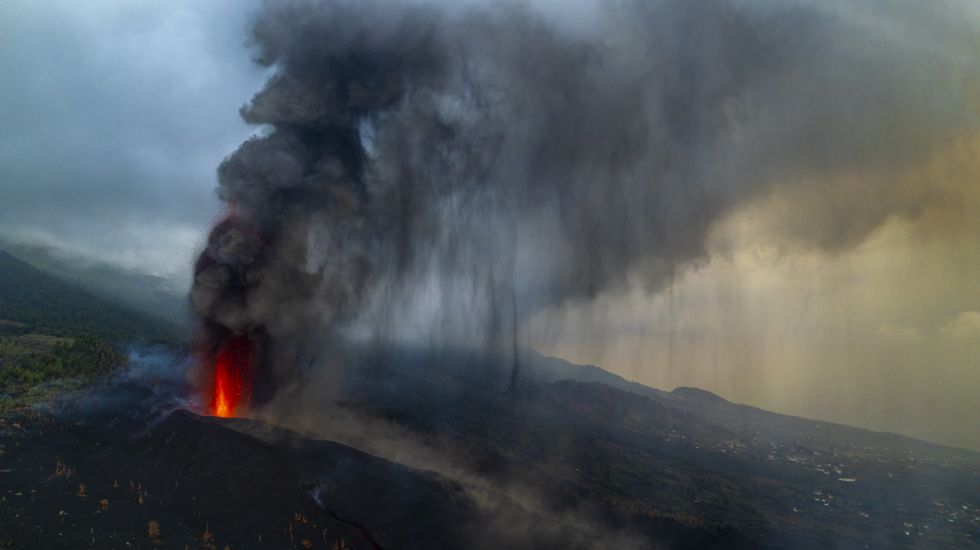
(747, 421)
(686, 468)
(98, 471)
(436, 453)
(99, 484)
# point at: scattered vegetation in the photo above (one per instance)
(56, 336)
(153, 530)
(207, 537)
(36, 366)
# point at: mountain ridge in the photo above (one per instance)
(691, 397)
(50, 304)
(132, 289)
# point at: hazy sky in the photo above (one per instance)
(115, 115)
(883, 334)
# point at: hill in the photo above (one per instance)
(50, 305)
(743, 419)
(675, 466)
(432, 450)
(153, 295)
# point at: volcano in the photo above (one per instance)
(427, 450)
(231, 363)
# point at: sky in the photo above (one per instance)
(883, 334)
(115, 116)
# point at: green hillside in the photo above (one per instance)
(49, 305)
(153, 295)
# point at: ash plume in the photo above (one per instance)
(453, 170)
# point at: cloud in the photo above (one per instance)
(965, 326)
(547, 164)
(116, 115)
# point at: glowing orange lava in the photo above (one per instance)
(221, 405)
(233, 373)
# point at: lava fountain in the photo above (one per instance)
(233, 377)
(229, 341)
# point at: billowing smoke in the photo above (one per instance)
(447, 171)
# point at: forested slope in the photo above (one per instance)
(50, 305)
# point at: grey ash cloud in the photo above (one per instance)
(484, 162)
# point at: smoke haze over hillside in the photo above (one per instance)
(766, 200)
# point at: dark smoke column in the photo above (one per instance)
(479, 160)
(291, 258)
(229, 345)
